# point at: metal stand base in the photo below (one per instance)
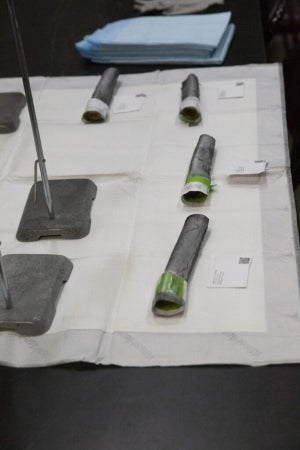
(11, 104)
(72, 200)
(35, 283)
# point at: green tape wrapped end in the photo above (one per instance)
(170, 295)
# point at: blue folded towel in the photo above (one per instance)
(195, 39)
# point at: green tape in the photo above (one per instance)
(171, 284)
(199, 179)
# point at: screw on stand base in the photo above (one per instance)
(72, 200)
(35, 283)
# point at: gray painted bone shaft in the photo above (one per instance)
(185, 252)
(171, 295)
(105, 88)
(33, 119)
(190, 100)
(202, 158)
(190, 87)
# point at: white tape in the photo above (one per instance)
(190, 102)
(195, 186)
(97, 105)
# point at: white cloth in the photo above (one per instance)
(139, 161)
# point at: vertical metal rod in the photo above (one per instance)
(35, 180)
(4, 284)
(34, 124)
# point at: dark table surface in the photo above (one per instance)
(50, 29)
(86, 407)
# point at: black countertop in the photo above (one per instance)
(50, 29)
(83, 407)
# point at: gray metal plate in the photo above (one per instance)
(72, 200)
(35, 283)
(11, 104)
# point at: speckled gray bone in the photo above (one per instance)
(185, 252)
(202, 158)
(190, 96)
(190, 87)
(97, 107)
(200, 165)
(35, 283)
(181, 263)
(105, 88)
